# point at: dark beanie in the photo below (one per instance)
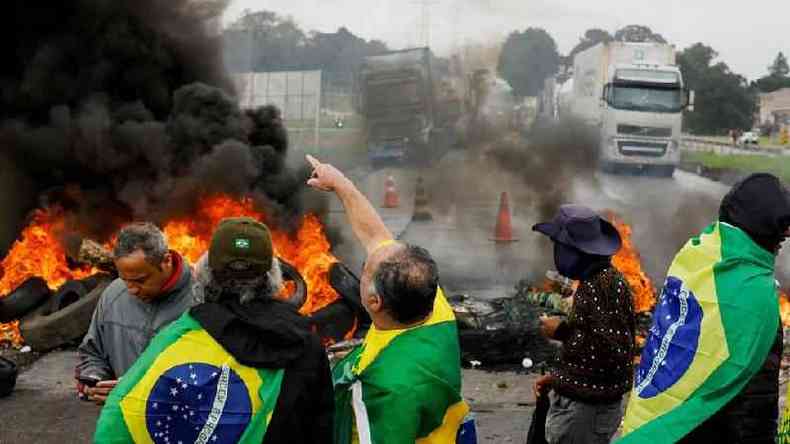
(760, 206)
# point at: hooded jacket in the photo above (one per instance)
(759, 205)
(271, 334)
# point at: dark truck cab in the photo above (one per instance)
(395, 94)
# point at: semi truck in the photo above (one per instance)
(395, 94)
(635, 95)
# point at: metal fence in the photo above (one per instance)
(296, 93)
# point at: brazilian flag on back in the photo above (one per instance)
(187, 388)
(712, 330)
(402, 386)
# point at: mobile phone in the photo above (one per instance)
(89, 381)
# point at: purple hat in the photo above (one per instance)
(582, 228)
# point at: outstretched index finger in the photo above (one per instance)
(313, 161)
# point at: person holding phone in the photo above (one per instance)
(153, 289)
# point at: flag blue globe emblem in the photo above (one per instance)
(198, 403)
(673, 340)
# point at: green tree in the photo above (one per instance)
(266, 41)
(638, 33)
(777, 77)
(724, 100)
(591, 38)
(527, 59)
(779, 67)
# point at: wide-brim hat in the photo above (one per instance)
(582, 228)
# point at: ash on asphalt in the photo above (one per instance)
(44, 409)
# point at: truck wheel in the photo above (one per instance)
(28, 296)
(609, 167)
(48, 331)
(665, 170)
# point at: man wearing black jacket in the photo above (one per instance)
(240, 313)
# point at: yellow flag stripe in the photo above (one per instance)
(195, 347)
(377, 340)
(701, 282)
(448, 431)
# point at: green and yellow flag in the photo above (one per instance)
(187, 388)
(712, 329)
(783, 436)
(402, 386)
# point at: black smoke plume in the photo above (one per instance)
(121, 110)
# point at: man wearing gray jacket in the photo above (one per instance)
(153, 289)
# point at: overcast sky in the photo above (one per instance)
(746, 37)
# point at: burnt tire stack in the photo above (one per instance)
(8, 373)
(30, 295)
(65, 319)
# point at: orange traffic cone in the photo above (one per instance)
(391, 198)
(504, 228)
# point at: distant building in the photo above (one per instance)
(775, 108)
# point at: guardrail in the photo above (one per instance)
(699, 144)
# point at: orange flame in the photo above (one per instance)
(784, 307)
(628, 262)
(307, 249)
(39, 252)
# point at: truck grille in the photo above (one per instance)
(636, 148)
(644, 131)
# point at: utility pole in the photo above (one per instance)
(425, 21)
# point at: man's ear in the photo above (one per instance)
(375, 303)
(167, 261)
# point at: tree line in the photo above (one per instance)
(265, 41)
(724, 99)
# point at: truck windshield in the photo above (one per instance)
(643, 98)
(393, 95)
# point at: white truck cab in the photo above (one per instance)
(635, 94)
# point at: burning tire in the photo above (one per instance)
(8, 373)
(346, 284)
(67, 294)
(291, 274)
(45, 331)
(27, 297)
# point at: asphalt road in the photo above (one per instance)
(464, 202)
(43, 408)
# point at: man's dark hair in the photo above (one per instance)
(143, 236)
(407, 283)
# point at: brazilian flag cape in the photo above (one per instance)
(186, 388)
(712, 329)
(783, 437)
(402, 386)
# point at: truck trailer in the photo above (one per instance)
(634, 93)
(395, 94)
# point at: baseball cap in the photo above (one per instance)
(240, 247)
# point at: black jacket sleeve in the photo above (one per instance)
(323, 412)
(305, 409)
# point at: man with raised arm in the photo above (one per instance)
(403, 384)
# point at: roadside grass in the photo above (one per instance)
(780, 166)
(766, 142)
